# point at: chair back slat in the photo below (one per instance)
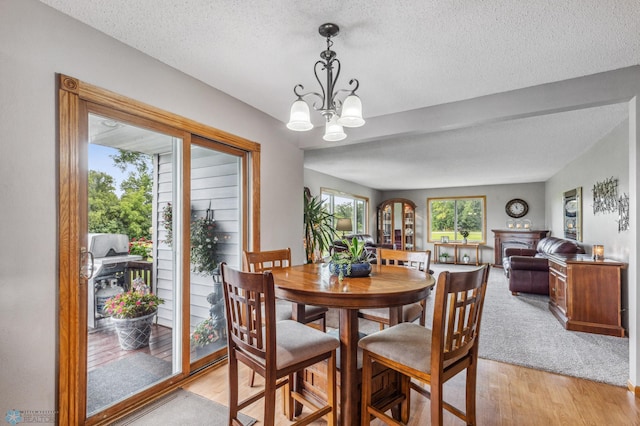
(420, 260)
(259, 261)
(244, 292)
(457, 314)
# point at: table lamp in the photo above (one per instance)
(344, 225)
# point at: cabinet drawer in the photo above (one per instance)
(558, 268)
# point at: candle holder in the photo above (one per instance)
(598, 252)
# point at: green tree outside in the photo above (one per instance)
(130, 213)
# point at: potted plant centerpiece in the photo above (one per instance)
(352, 262)
(132, 313)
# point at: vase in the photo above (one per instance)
(357, 269)
(134, 333)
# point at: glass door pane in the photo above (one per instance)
(131, 179)
(216, 212)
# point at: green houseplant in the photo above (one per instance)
(464, 234)
(204, 336)
(352, 262)
(132, 313)
(318, 227)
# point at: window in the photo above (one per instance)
(448, 217)
(347, 206)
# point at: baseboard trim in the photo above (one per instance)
(635, 390)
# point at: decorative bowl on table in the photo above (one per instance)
(351, 270)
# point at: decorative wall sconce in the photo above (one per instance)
(623, 213)
(598, 252)
(605, 196)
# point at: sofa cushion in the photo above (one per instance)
(553, 245)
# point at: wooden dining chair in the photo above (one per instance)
(431, 356)
(274, 349)
(407, 259)
(260, 261)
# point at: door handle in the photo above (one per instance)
(86, 269)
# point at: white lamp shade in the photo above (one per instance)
(351, 112)
(299, 119)
(333, 132)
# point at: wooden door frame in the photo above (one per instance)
(72, 97)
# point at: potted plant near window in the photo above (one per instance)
(444, 257)
(352, 262)
(132, 314)
(318, 227)
(204, 259)
(464, 234)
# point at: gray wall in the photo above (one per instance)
(608, 158)
(37, 42)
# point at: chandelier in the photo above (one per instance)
(337, 112)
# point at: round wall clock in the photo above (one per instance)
(517, 208)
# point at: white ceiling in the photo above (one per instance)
(407, 56)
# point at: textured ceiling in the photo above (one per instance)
(425, 53)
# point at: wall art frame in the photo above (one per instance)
(572, 214)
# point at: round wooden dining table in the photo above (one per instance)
(386, 287)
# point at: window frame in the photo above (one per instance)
(457, 238)
(327, 195)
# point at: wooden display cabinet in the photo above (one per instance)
(584, 294)
(396, 223)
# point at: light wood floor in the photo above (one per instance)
(506, 395)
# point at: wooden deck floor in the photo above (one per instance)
(103, 346)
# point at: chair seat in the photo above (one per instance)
(410, 312)
(295, 342)
(405, 343)
(283, 310)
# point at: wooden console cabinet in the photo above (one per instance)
(512, 238)
(584, 295)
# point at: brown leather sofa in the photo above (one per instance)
(528, 269)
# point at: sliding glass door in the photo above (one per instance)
(148, 211)
(131, 171)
